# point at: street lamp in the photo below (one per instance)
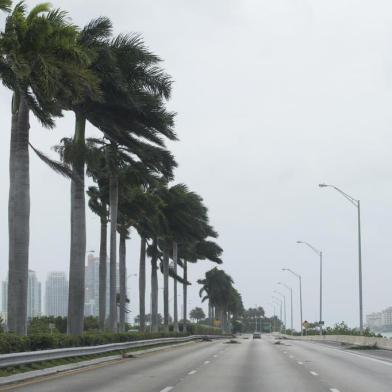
(291, 301)
(284, 302)
(320, 254)
(300, 292)
(357, 204)
(278, 301)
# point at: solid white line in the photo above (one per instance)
(313, 373)
(334, 390)
(206, 362)
(363, 356)
(192, 372)
(300, 363)
(167, 389)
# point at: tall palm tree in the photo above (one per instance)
(43, 66)
(216, 287)
(98, 203)
(193, 252)
(187, 221)
(130, 107)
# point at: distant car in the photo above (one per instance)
(257, 335)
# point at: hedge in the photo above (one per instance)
(11, 343)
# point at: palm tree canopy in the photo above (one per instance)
(42, 61)
(217, 286)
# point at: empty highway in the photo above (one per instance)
(250, 365)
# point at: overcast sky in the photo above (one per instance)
(273, 97)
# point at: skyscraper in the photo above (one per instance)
(4, 299)
(91, 300)
(33, 296)
(56, 294)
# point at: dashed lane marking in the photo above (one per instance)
(192, 372)
(206, 362)
(313, 373)
(334, 390)
(300, 363)
(167, 389)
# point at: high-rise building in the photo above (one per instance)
(387, 316)
(56, 294)
(4, 299)
(374, 320)
(33, 296)
(34, 302)
(91, 299)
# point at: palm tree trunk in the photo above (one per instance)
(175, 307)
(123, 283)
(142, 285)
(185, 295)
(154, 288)
(78, 235)
(102, 274)
(166, 290)
(18, 216)
(113, 197)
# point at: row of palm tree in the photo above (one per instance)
(224, 300)
(116, 84)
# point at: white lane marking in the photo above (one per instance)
(334, 390)
(206, 362)
(300, 363)
(363, 356)
(313, 373)
(167, 389)
(215, 356)
(192, 372)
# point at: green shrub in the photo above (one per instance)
(11, 343)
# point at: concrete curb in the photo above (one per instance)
(27, 376)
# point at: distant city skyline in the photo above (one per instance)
(55, 296)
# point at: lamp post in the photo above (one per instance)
(320, 254)
(300, 292)
(291, 303)
(357, 204)
(279, 302)
(284, 307)
(274, 318)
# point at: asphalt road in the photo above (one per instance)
(251, 365)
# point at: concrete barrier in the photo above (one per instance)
(383, 343)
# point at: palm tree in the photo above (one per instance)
(98, 203)
(42, 64)
(217, 286)
(186, 222)
(194, 252)
(130, 107)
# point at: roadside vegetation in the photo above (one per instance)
(116, 84)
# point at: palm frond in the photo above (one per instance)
(5, 5)
(96, 30)
(58, 167)
(38, 9)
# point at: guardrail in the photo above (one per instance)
(23, 358)
(354, 340)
